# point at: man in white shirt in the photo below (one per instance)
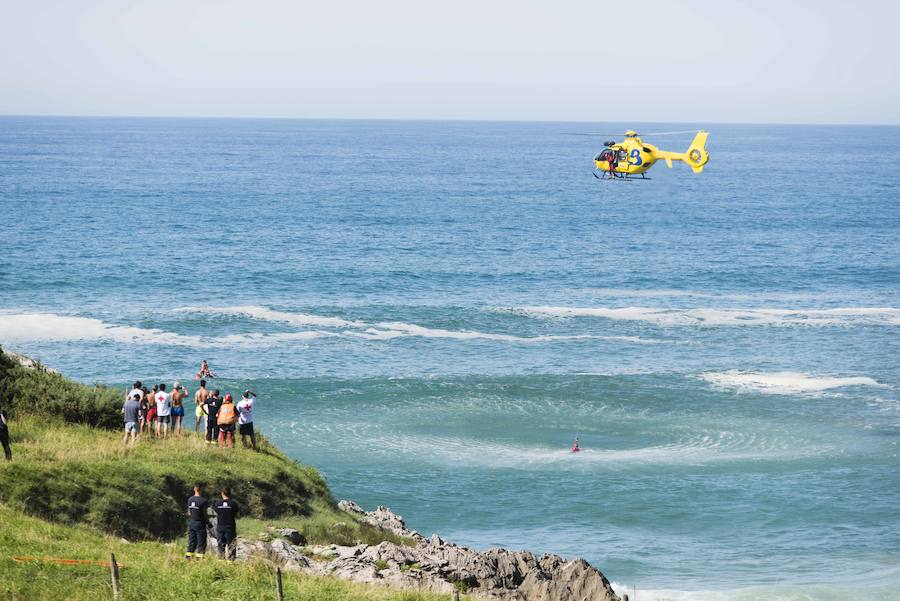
(163, 411)
(245, 419)
(135, 390)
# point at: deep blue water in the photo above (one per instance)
(430, 312)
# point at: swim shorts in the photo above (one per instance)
(246, 429)
(131, 427)
(177, 411)
(164, 419)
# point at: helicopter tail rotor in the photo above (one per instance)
(697, 155)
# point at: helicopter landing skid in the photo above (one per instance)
(619, 178)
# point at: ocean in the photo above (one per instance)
(430, 312)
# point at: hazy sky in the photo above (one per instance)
(805, 61)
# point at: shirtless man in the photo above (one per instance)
(200, 399)
(179, 393)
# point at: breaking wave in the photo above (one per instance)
(388, 330)
(50, 327)
(785, 382)
(845, 316)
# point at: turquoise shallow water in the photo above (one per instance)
(430, 313)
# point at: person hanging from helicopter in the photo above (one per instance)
(610, 157)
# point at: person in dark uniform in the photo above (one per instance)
(212, 404)
(226, 528)
(197, 521)
(4, 436)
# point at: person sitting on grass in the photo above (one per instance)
(245, 421)
(197, 523)
(132, 412)
(226, 419)
(4, 435)
(226, 527)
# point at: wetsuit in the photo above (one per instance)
(226, 528)
(4, 437)
(197, 507)
(212, 411)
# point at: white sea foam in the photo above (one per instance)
(36, 327)
(50, 327)
(773, 592)
(266, 314)
(785, 382)
(844, 316)
(389, 330)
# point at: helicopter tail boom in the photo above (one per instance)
(696, 156)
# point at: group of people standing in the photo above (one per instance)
(157, 411)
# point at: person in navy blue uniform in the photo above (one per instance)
(197, 521)
(226, 527)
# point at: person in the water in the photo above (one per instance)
(576, 447)
(204, 372)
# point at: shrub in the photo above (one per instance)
(39, 391)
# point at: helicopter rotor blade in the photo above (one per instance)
(670, 133)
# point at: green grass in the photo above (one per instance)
(73, 491)
(327, 525)
(78, 474)
(75, 474)
(152, 570)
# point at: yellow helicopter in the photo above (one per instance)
(632, 157)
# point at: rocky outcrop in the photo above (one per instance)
(28, 362)
(439, 566)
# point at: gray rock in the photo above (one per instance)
(29, 363)
(438, 566)
(351, 507)
(293, 536)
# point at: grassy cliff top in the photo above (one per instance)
(70, 466)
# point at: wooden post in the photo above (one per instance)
(455, 594)
(278, 584)
(114, 573)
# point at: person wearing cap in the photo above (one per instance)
(132, 412)
(226, 419)
(245, 419)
